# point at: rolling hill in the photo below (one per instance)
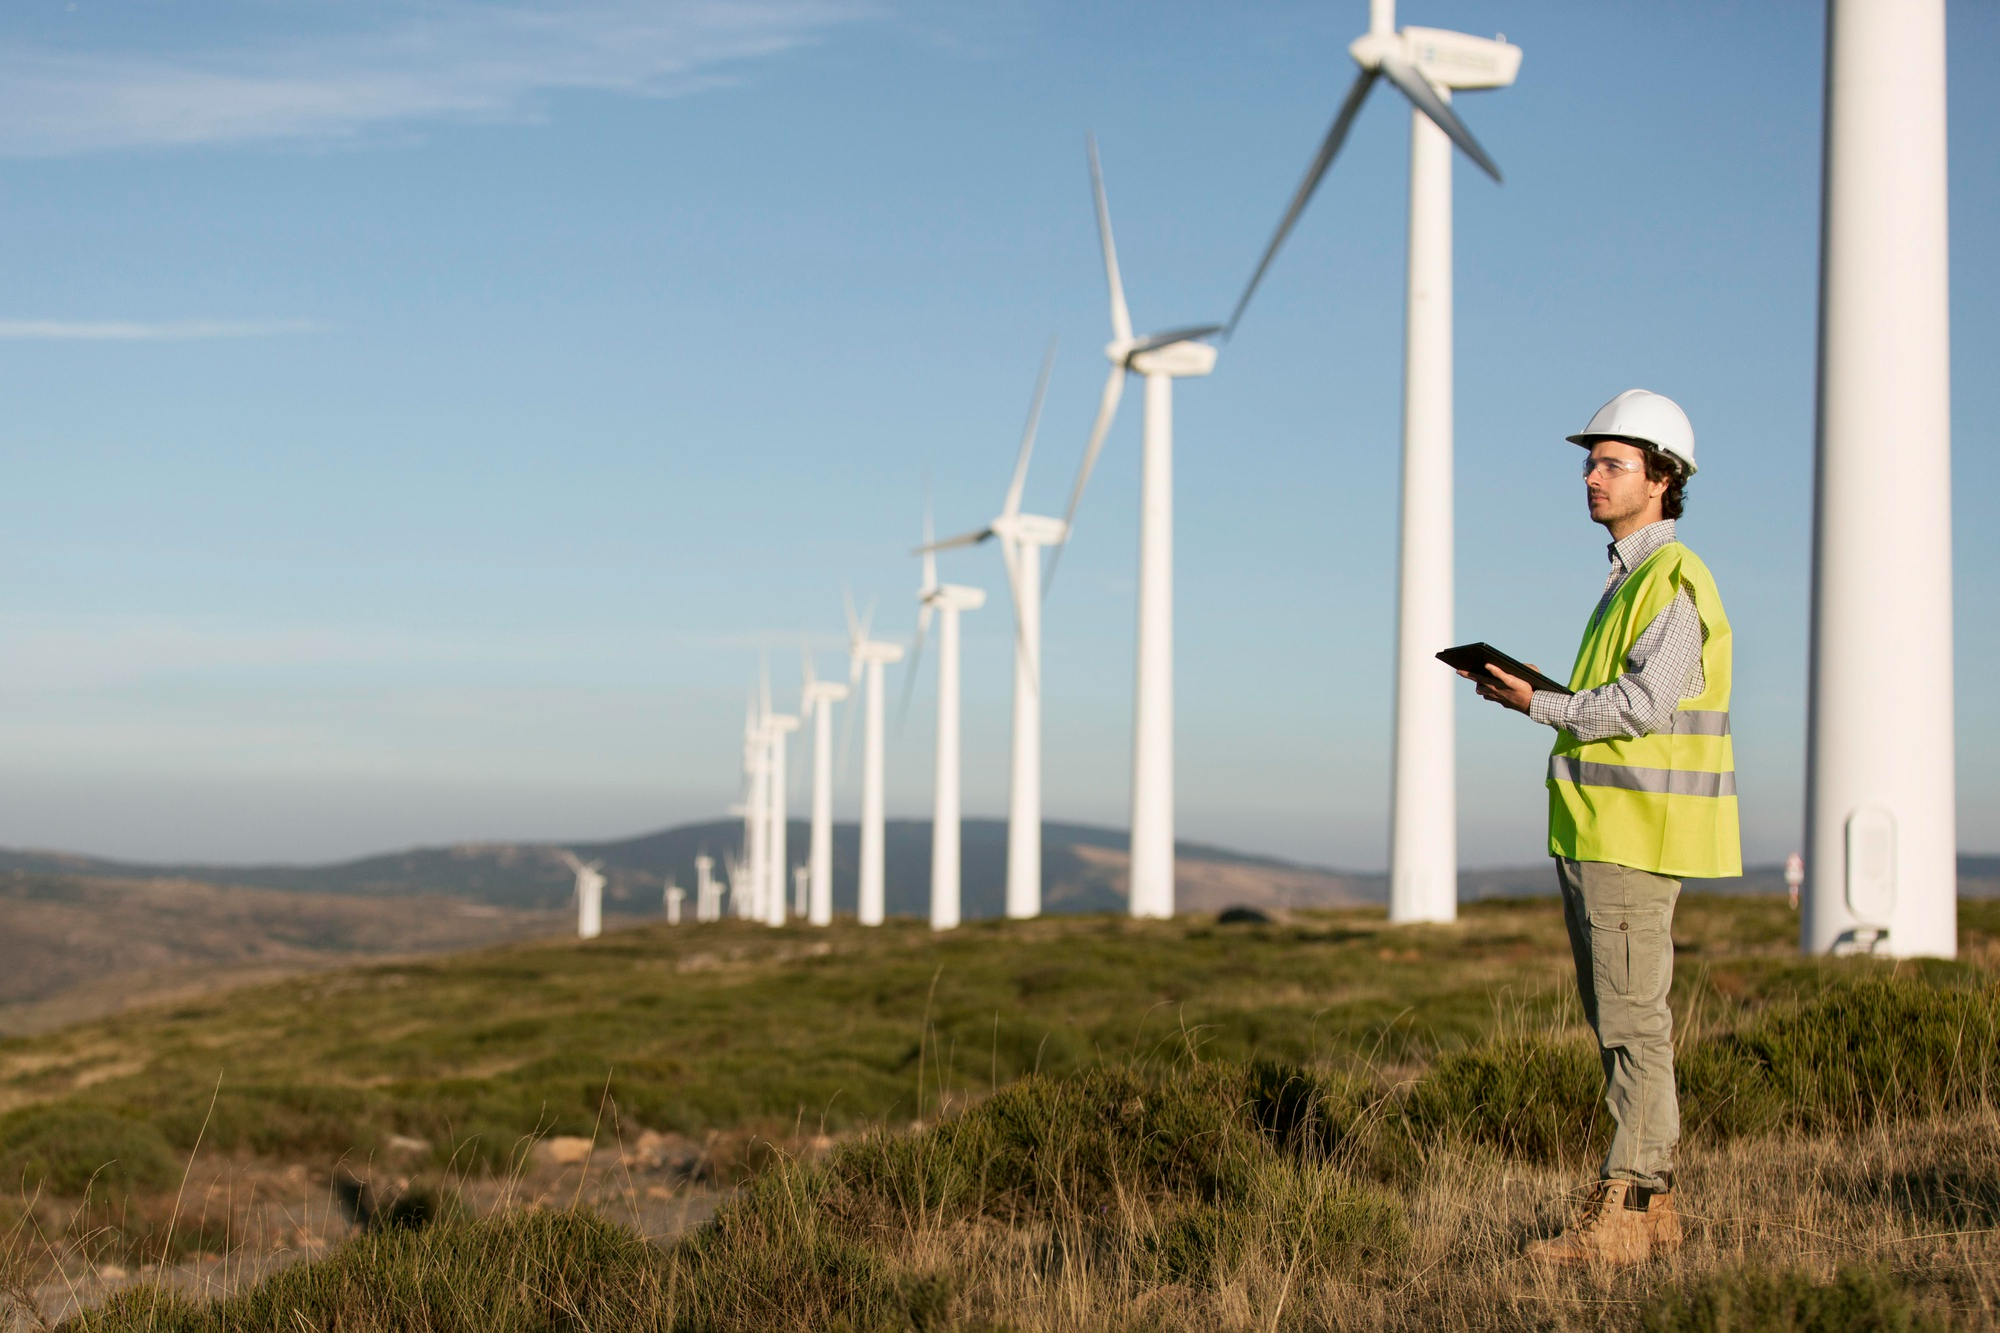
(1083, 871)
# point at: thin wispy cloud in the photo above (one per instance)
(420, 60)
(116, 330)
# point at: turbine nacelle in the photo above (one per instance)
(780, 724)
(1181, 360)
(1448, 59)
(876, 651)
(1029, 529)
(954, 597)
(831, 691)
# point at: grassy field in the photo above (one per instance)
(1321, 1123)
(736, 1025)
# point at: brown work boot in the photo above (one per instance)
(1665, 1220)
(1616, 1227)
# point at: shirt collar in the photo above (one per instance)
(1633, 550)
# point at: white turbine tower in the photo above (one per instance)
(777, 728)
(746, 877)
(1161, 359)
(705, 905)
(589, 896)
(946, 600)
(1022, 537)
(1881, 836)
(817, 700)
(1425, 64)
(866, 657)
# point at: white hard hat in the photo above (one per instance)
(1643, 418)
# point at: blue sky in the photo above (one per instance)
(417, 412)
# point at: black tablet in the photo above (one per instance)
(1476, 657)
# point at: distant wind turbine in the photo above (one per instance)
(706, 908)
(817, 700)
(1161, 359)
(1425, 65)
(866, 658)
(1022, 537)
(946, 600)
(746, 876)
(589, 896)
(777, 727)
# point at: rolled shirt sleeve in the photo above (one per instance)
(1662, 668)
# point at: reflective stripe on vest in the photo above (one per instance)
(1701, 722)
(1663, 781)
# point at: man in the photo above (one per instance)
(1642, 794)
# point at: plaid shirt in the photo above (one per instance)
(1663, 667)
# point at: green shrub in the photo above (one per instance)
(1725, 1093)
(522, 1272)
(1529, 1097)
(1751, 1300)
(1860, 1051)
(1053, 1144)
(68, 1149)
(1196, 1243)
(1323, 1223)
(1874, 1049)
(276, 1119)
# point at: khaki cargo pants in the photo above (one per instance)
(1621, 932)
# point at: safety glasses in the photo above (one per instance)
(1611, 467)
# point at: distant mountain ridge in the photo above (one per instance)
(1083, 870)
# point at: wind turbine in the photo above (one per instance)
(866, 657)
(1022, 537)
(1425, 65)
(817, 699)
(705, 906)
(1881, 835)
(777, 726)
(946, 600)
(746, 877)
(589, 896)
(732, 884)
(1161, 359)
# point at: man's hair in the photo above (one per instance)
(1667, 468)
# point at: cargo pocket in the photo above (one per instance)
(1628, 951)
(1611, 951)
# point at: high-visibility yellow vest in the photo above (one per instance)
(1664, 802)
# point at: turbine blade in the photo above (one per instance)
(1121, 318)
(1418, 89)
(1010, 553)
(910, 667)
(953, 543)
(847, 728)
(1328, 148)
(1107, 409)
(930, 537)
(1013, 505)
(847, 605)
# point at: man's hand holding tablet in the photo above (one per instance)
(1499, 677)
